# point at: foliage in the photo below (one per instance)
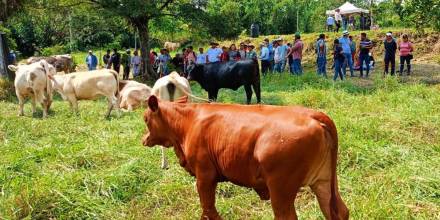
(84, 167)
(9, 39)
(57, 49)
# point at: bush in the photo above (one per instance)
(55, 50)
(6, 89)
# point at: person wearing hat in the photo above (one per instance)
(126, 62)
(296, 51)
(390, 46)
(91, 61)
(280, 56)
(345, 43)
(265, 58)
(214, 53)
(251, 54)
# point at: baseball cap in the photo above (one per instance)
(345, 32)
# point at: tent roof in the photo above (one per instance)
(348, 8)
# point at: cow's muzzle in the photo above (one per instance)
(146, 140)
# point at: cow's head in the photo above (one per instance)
(58, 84)
(157, 132)
(195, 72)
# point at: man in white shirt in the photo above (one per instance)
(265, 58)
(214, 53)
(338, 19)
(201, 57)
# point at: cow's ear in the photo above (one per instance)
(153, 103)
(50, 77)
(13, 68)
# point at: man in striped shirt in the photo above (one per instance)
(364, 49)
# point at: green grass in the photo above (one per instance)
(85, 167)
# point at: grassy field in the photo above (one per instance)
(85, 167)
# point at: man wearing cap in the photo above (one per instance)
(297, 49)
(214, 53)
(390, 46)
(346, 50)
(91, 61)
(126, 61)
(280, 56)
(265, 58)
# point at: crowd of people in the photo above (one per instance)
(347, 22)
(274, 56)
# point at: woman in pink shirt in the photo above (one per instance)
(406, 48)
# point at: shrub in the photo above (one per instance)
(6, 89)
(55, 50)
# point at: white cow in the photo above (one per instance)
(133, 94)
(88, 86)
(171, 88)
(33, 81)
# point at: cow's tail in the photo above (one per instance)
(330, 127)
(186, 89)
(116, 75)
(46, 67)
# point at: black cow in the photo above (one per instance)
(231, 75)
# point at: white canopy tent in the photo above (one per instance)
(348, 8)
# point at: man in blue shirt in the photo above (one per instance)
(271, 53)
(91, 61)
(265, 58)
(346, 51)
(330, 23)
(201, 57)
(214, 53)
(12, 58)
(280, 56)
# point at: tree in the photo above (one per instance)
(8, 7)
(139, 14)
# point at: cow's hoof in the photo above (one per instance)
(164, 166)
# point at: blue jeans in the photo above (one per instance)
(349, 61)
(322, 61)
(296, 67)
(91, 68)
(338, 71)
(364, 58)
(279, 67)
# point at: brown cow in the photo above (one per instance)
(274, 150)
(60, 62)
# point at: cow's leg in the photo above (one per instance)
(212, 94)
(33, 103)
(206, 189)
(111, 103)
(248, 93)
(21, 104)
(164, 159)
(322, 190)
(257, 90)
(282, 197)
(73, 103)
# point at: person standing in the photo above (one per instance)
(251, 54)
(91, 61)
(297, 49)
(115, 60)
(338, 57)
(242, 51)
(351, 23)
(126, 62)
(224, 57)
(136, 63)
(234, 54)
(330, 23)
(214, 53)
(12, 58)
(390, 46)
(289, 57)
(201, 57)
(164, 59)
(338, 19)
(405, 48)
(280, 56)
(106, 58)
(265, 58)
(321, 55)
(344, 42)
(271, 54)
(353, 48)
(364, 54)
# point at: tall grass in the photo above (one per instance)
(82, 166)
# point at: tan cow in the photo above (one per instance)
(170, 88)
(133, 94)
(170, 46)
(62, 63)
(33, 81)
(88, 86)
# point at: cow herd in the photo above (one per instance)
(275, 150)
